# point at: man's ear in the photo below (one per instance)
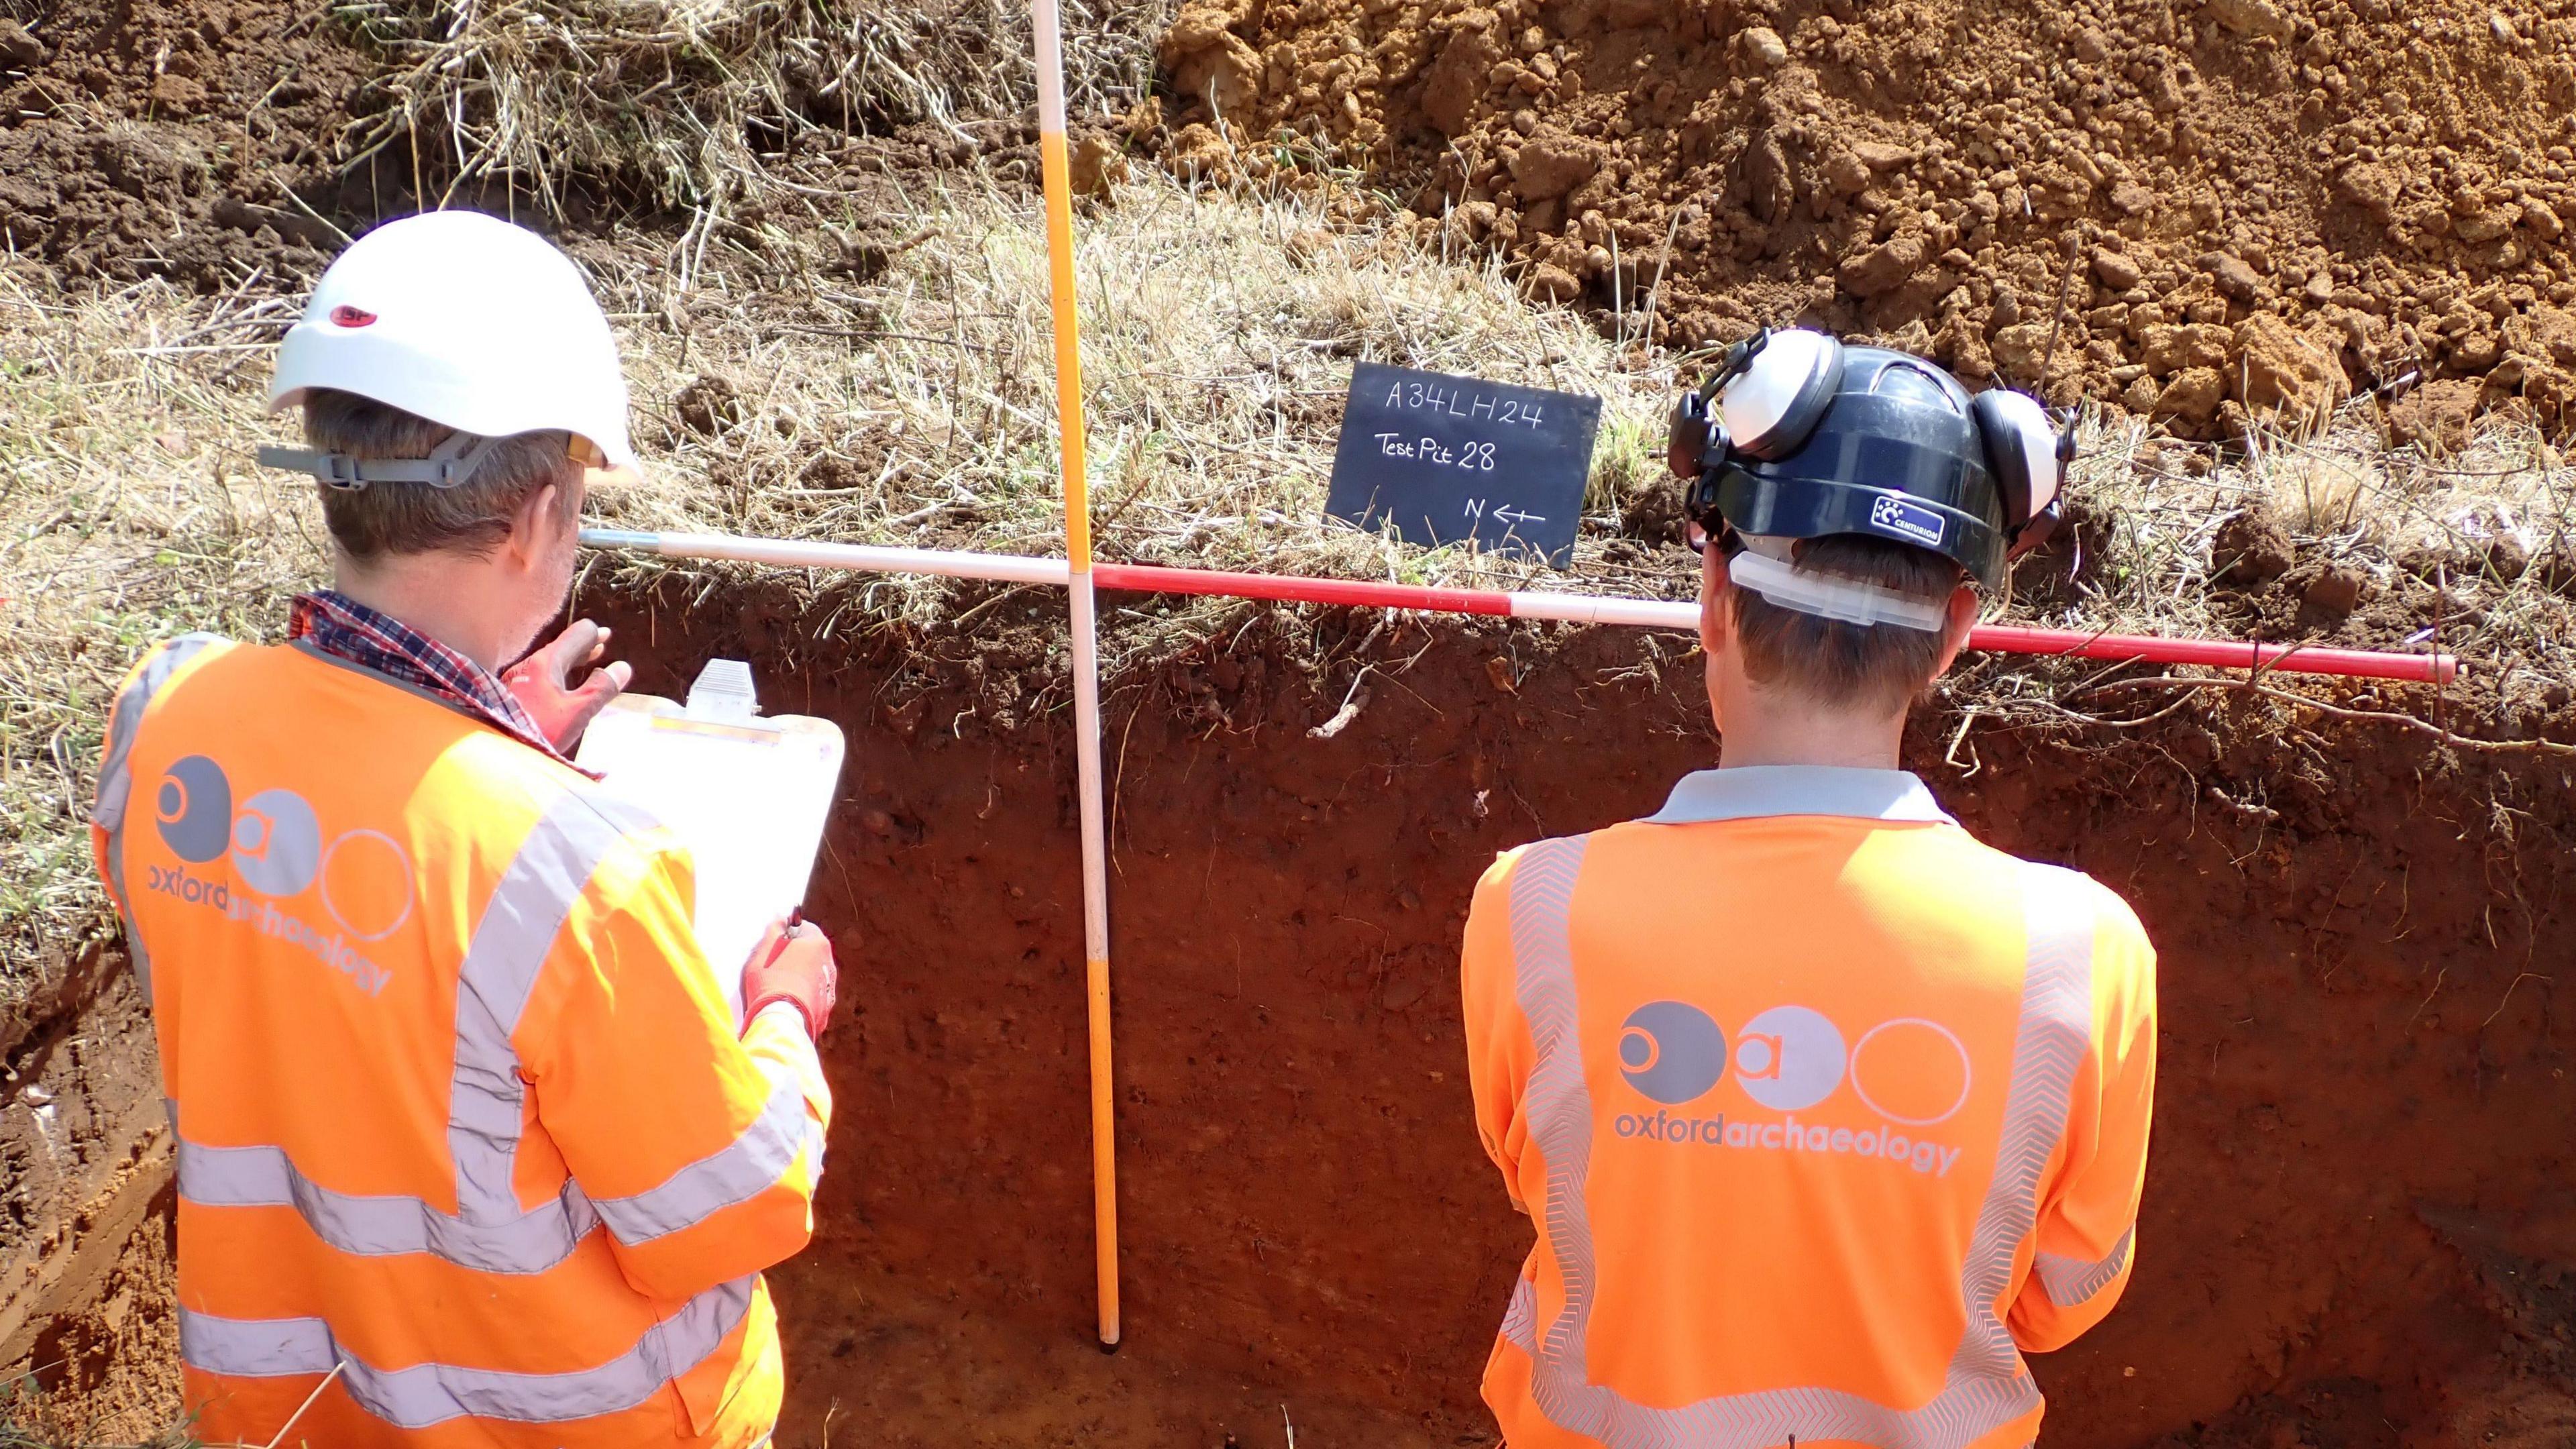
(1957, 620)
(533, 527)
(1716, 626)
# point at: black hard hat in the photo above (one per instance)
(1809, 438)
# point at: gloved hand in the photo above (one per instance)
(792, 963)
(539, 682)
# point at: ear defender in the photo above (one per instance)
(1788, 380)
(1695, 441)
(2025, 454)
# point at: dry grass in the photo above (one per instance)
(782, 389)
(1219, 332)
(130, 514)
(30, 1420)
(913, 408)
(2474, 550)
(679, 103)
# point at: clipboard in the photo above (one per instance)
(747, 793)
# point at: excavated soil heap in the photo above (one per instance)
(2356, 1232)
(2271, 202)
(176, 139)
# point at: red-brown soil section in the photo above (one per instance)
(87, 1270)
(2355, 1227)
(2270, 203)
(2356, 1230)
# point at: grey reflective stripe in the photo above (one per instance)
(1986, 1386)
(116, 776)
(489, 1231)
(753, 1162)
(115, 783)
(374, 1226)
(1751, 792)
(2071, 1281)
(509, 947)
(432, 1393)
(1558, 1099)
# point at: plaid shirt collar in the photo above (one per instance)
(340, 626)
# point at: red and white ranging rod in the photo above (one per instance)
(2437, 668)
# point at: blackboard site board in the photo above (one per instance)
(1447, 459)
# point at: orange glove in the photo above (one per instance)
(792, 963)
(542, 682)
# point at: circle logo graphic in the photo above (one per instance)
(277, 843)
(194, 809)
(1911, 1071)
(1789, 1058)
(1671, 1051)
(366, 884)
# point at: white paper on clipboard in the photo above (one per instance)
(748, 794)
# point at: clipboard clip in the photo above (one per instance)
(723, 693)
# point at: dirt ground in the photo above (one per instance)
(88, 1279)
(2270, 203)
(167, 138)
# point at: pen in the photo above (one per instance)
(786, 933)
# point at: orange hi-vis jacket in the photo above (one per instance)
(463, 1120)
(1823, 1112)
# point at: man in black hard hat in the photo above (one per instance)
(1823, 1111)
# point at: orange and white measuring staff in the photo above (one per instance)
(1055, 167)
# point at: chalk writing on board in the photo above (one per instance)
(1471, 456)
(1442, 395)
(1444, 459)
(1475, 509)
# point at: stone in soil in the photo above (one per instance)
(2251, 550)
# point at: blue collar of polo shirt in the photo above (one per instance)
(1750, 792)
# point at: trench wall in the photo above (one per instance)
(2363, 1109)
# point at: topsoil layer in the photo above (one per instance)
(2268, 203)
(2356, 1231)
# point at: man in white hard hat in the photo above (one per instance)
(471, 1149)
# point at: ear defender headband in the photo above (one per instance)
(1797, 436)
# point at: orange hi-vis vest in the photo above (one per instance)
(1823, 1112)
(466, 1136)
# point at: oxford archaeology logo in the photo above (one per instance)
(1671, 1051)
(274, 843)
(1911, 1072)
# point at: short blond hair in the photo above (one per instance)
(1879, 667)
(470, 518)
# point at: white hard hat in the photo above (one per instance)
(466, 320)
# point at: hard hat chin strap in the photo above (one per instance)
(1828, 596)
(448, 465)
